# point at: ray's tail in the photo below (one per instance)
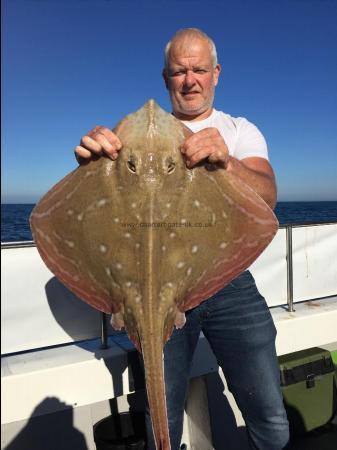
(152, 350)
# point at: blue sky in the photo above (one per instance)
(68, 65)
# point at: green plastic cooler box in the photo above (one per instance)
(309, 389)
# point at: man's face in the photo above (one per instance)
(191, 78)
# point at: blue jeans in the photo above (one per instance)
(238, 325)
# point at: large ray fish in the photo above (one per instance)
(146, 239)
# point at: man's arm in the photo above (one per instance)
(254, 171)
(258, 174)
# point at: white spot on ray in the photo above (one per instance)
(163, 248)
(80, 217)
(252, 244)
(138, 299)
(239, 240)
(194, 249)
(116, 219)
(223, 245)
(102, 248)
(89, 173)
(101, 202)
(70, 243)
(224, 215)
(70, 212)
(127, 235)
(168, 205)
(137, 244)
(119, 266)
(183, 221)
(189, 271)
(128, 284)
(108, 271)
(180, 264)
(172, 235)
(133, 205)
(196, 203)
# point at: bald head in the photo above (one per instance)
(185, 37)
(191, 74)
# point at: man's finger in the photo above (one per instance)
(217, 156)
(108, 148)
(81, 152)
(110, 136)
(94, 130)
(190, 148)
(91, 144)
(197, 156)
(206, 133)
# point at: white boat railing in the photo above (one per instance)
(289, 257)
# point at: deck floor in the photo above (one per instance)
(323, 438)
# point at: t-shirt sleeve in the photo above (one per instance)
(250, 141)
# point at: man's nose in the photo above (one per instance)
(189, 78)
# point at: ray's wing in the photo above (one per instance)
(76, 227)
(223, 227)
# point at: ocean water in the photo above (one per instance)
(15, 217)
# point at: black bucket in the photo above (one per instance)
(124, 431)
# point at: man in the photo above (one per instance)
(236, 320)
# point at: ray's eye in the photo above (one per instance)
(171, 165)
(131, 165)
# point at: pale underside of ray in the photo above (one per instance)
(146, 239)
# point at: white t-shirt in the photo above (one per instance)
(242, 138)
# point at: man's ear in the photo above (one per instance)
(165, 76)
(217, 71)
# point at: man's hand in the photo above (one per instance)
(254, 171)
(207, 143)
(100, 140)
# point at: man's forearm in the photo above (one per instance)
(261, 179)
